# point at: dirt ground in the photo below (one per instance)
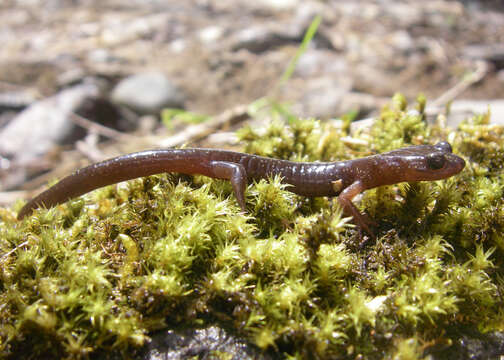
(372, 47)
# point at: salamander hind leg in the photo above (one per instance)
(236, 174)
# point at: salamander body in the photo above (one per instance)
(344, 179)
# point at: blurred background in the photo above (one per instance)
(83, 80)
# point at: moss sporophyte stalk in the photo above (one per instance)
(101, 272)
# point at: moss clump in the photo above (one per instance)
(101, 272)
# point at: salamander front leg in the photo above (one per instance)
(236, 174)
(345, 200)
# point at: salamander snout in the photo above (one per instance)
(457, 163)
(428, 162)
(442, 162)
(440, 165)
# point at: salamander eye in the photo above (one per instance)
(436, 161)
(443, 146)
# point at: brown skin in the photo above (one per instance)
(343, 178)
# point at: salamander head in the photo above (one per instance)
(425, 162)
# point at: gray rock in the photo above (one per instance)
(101, 55)
(16, 100)
(468, 343)
(493, 53)
(500, 75)
(463, 109)
(148, 93)
(316, 62)
(264, 37)
(258, 39)
(43, 124)
(401, 41)
(321, 97)
(278, 5)
(200, 344)
(211, 34)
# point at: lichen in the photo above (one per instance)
(101, 272)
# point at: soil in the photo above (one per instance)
(371, 47)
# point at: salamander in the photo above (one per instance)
(344, 179)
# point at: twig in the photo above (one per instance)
(89, 147)
(478, 74)
(7, 254)
(8, 197)
(195, 132)
(100, 129)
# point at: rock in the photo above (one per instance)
(148, 93)
(258, 39)
(278, 5)
(264, 37)
(101, 55)
(321, 97)
(401, 41)
(493, 53)
(117, 30)
(39, 128)
(468, 343)
(15, 100)
(211, 34)
(43, 124)
(316, 62)
(500, 75)
(6, 117)
(463, 109)
(178, 45)
(200, 344)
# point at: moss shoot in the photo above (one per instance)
(101, 272)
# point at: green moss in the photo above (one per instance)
(100, 272)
